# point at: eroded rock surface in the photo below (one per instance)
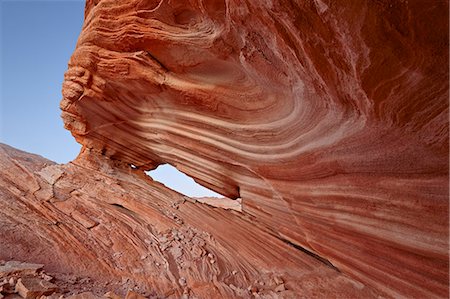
(147, 239)
(330, 121)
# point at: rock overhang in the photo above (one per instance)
(316, 115)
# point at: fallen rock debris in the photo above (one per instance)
(20, 280)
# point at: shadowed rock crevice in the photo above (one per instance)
(318, 257)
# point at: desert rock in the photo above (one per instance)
(31, 287)
(135, 217)
(328, 122)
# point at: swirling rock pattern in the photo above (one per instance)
(97, 218)
(329, 121)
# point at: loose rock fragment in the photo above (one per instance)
(278, 280)
(31, 287)
(6, 287)
(280, 288)
(46, 277)
(12, 281)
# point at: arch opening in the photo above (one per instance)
(180, 182)
(174, 179)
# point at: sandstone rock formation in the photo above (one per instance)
(101, 222)
(329, 120)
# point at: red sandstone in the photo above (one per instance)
(328, 121)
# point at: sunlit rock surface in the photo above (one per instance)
(329, 121)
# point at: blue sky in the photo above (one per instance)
(37, 39)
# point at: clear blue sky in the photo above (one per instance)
(37, 39)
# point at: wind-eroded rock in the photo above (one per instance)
(329, 121)
(142, 242)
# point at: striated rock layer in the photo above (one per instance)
(329, 121)
(98, 219)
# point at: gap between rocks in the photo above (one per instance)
(180, 182)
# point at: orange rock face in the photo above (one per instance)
(329, 121)
(97, 218)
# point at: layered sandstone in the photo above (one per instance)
(328, 120)
(114, 228)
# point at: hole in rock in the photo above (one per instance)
(182, 183)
